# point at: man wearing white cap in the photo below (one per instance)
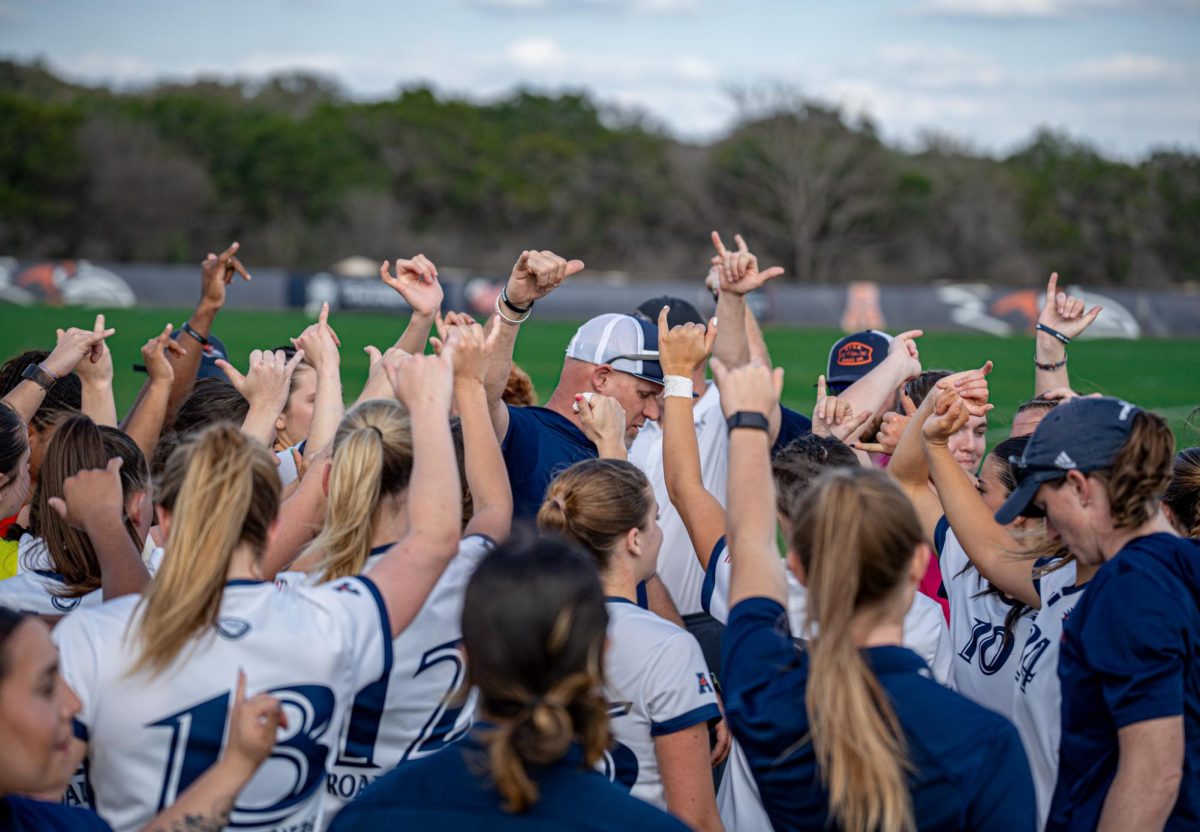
(611, 357)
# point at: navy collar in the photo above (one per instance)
(380, 549)
(893, 659)
(243, 582)
(617, 599)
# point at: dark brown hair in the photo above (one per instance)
(538, 664)
(1140, 472)
(64, 397)
(801, 462)
(1183, 494)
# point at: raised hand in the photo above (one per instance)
(154, 356)
(972, 386)
(753, 387)
(891, 428)
(253, 725)
(98, 369)
(416, 281)
(602, 420)
(834, 416)
(472, 347)
(683, 349)
(216, 273)
(73, 346)
(91, 494)
(950, 413)
(268, 381)
(904, 350)
(1065, 313)
(424, 381)
(537, 274)
(319, 342)
(738, 270)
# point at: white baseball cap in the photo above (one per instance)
(623, 342)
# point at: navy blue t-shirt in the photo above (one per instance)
(792, 426)
(1130, 653)
(540, 445)
(969, 768)
(450, 791)
(23, 814)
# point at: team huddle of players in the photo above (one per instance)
(248, 605)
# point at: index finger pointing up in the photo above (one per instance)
(720, 247)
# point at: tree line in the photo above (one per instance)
(303, 175)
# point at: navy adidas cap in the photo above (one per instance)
(1082, 435)
(679, 311)
(857, 354)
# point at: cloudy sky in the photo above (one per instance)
(1124, 74)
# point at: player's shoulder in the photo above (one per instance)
(97, 622)
(651, 628)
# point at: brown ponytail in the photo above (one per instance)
(594, 503)
(538, 664)
(1183, 494)
(855, 534)
(1140, 472)
(79, 444)
(372, 458)
(222, 490)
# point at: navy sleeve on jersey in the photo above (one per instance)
(792, 426)
(757, 653)
(1005, 800)
(710, 576)
(1133, 638)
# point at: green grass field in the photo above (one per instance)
(1157, 373)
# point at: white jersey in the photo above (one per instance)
(150, 736)
(678, 567)
(1037, 697)
(984, 659)
(415, 710)
(925, 631)
(657, 683)
(37, 588)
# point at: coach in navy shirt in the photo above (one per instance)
(1129, 665)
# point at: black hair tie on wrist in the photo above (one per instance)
(1051, 331)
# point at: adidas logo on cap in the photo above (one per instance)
(1063, 460)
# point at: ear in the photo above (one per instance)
(794, 564)
(164, 522)
(326, 475)
(601, 376)
(1170, 515)
(280, 423)
(4, 481)
(633, 541)
(134, 507)
(919, 565)
(1080, 486)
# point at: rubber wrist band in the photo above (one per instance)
(1049, 367)
(508, 320)
(520, 310)
(1054, 332)
(680, 386)
(190, 330)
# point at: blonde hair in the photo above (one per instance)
(223, 490)
(372, 458)
(855, 534)
(594, 503)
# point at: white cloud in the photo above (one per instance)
(536, 53)
(1123, 67)
(939, 67)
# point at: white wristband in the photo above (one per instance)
(677, 386)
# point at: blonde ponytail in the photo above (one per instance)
(855, 535)
(222, 490)
(372, 458)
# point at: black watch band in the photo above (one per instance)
(520, 310)
(749, 419)
(39, 375)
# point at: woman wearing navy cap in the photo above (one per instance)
(839, 734)
(1130, 657)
